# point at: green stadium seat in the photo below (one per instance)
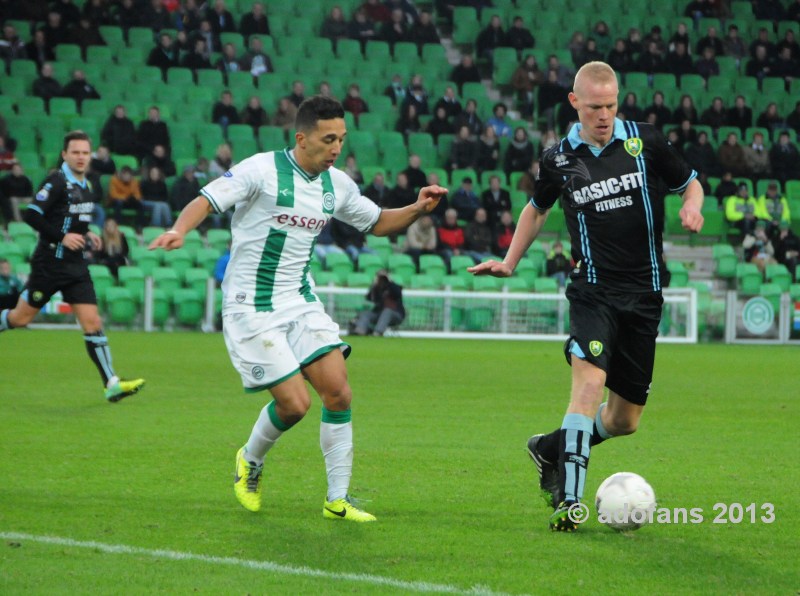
(237, 39)
(177, 75)
(271, 138)
(131, 56)
(779, 275)
(166, 278)
(401, 264)
(725, 264)
(150, 233)
(381, 245)
(145, 259)
(433, 266)
(218, 239)
(679, 274)
(102, 279)
(349, 49)
(487, 283)
(197, 279)
(773, 87)
(370, 264)
(340, 265)
(68, 52)
(772, 292)
(121, 305)
(378, 51)
(141, 37)
(459, 264)
(466, 25)
(16, 88)
(64, 108)
(179, 261)
(206, 259)
(358, 280)
(112, 35)
(189, 307)
(132, 278)
(748, 278)
(100, 55)
(22, 235)
(161, 306)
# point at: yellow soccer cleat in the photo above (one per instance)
(247, 482)
(123, 389)
(344, 509)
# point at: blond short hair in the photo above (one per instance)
(597, 72)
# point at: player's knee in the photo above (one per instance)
(338, 398)
(623, 426)
(292, 411)
(627, 428)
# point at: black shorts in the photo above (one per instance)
(50, 275)
(615, 331)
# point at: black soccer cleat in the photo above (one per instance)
(568, 516)
(548, 473)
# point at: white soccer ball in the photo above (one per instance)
(625, 501)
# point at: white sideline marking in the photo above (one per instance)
(416, 586)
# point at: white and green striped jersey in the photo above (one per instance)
(280, 211)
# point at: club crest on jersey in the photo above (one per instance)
(328, 202)
(633, 146)
(596, 347)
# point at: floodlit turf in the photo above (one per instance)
(440, 432)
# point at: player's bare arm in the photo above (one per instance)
(530, 223)
(691, 213)
(394, 220)
(191, 217)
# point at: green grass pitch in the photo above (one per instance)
(440, 430)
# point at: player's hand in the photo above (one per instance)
(691, 218)
(491, 267)
(429, 197)
(97, 241)
(169, 240)
(74, 242)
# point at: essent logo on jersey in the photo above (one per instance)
(607, 188)
(298, 221)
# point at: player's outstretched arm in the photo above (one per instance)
(530, 223)
(394, 220)
(691, 213)
(191, 217)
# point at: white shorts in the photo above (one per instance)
(266, 348)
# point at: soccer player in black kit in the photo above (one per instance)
(61, 213)
(611, 177)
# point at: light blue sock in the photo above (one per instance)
(576, 430)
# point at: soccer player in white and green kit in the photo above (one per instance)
(275, 327)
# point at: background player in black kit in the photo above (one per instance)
(61, 213)
(611, 177)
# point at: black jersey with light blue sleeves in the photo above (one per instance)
(613, 202)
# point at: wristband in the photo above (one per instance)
(171, 232)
